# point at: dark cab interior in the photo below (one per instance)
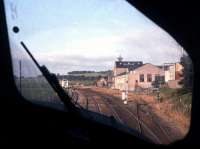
(23, 122)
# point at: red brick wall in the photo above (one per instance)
(174, 84)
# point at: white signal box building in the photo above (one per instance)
(64, 83)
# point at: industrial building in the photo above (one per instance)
(132, 74)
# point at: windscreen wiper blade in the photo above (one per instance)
(53, 81)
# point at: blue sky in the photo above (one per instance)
(69, 35)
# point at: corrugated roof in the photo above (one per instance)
(131, 65)
(147, 64)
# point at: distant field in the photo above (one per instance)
(84, 77)
(95, 74)
(89, 73)
(84, 82)
(37, 89)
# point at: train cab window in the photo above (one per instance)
(92, 46)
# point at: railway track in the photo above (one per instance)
(134, 117)
(147, 126)
(90, 102)
(91, 99)
(97, 105)
(151, 119)
(115, 113)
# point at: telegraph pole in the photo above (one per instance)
(126, 89)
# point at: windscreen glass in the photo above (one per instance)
(108, 57)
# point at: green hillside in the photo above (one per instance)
(84, 77)
(89, 73)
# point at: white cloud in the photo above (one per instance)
(96, 47)
(149, 44)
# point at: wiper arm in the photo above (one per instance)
(53, 81)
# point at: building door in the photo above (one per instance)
(136, 83)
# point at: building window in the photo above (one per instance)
(160, 79)
(141, 77)
(149, 77)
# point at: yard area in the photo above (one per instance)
(171, 113)
(175, 107)
(158, 118)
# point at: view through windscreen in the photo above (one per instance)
(109, 58)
